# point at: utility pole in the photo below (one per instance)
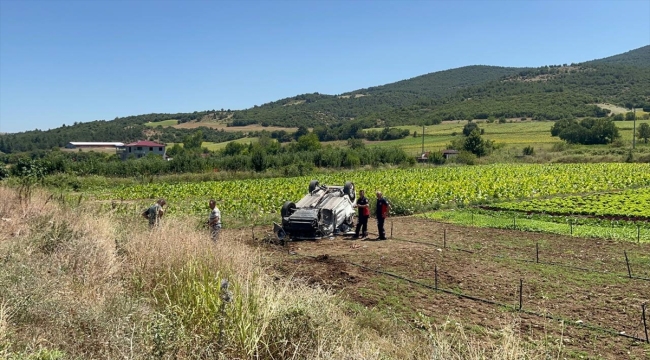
(422, 138)
(634, 130)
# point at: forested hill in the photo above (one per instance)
(314, 109)
(639, 57)
(544, 93)
(125, 129)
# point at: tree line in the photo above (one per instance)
(295, 158)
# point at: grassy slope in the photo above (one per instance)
(163, 123)
(75, 285)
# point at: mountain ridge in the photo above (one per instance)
(475, 91)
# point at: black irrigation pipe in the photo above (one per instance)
(530, 261)
(485, 301)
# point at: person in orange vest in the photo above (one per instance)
(364, 213)
(381, 211)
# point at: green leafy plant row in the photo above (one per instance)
(409, 190)
(629, 203)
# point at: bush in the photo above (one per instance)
(436, 157)
(528, 151)
(465, 157)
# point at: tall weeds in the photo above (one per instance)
(77, 283)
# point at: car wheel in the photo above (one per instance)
(287, 209)
(348, 189)
(313, 185)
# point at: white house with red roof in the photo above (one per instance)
(142, 148)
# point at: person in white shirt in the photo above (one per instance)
(214, 221)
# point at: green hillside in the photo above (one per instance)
(637, 57)
(315, 109)
(471, 92)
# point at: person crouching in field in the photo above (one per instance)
(154, 213)
(214, 221)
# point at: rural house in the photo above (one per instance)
(141, 149)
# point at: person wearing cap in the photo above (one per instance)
(364, 214)
(214, 221)
(381, 211)
(154, 213)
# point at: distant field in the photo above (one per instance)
(163, 123)
(437, 137)
(613, 108)
(196, 124)
(223, 126)
(218, 146)
(212, 146)
(625, 129)
(515, 134)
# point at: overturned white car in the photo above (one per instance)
(325, 211)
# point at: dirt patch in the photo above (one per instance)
(582, 281)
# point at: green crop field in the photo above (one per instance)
(409, 190)
(629, 203)
(163, 123)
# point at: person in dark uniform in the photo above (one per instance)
(381, 212)
(364, 214)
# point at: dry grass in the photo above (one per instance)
(78, 284)
(222, 125)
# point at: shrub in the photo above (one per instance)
(465, 157)
(436, 157)
(528, 151)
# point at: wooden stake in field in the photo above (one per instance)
(435, 272)
(537, 252)
(521, 297)
(444, 240)
(645, 326)
(629, 272)
(391, 229)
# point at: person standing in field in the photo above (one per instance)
(214, 221)
(155, 212)
(381, 211)
(364, 214)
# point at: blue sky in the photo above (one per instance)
(67, 61)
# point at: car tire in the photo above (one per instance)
(348, 189)
(287, 209)
(313, 185)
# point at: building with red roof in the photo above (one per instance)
(142, 148)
